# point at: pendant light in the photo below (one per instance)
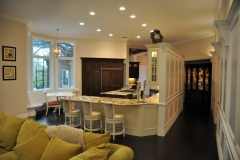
(55, 49)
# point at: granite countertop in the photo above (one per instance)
(118, 101)
(120, 92)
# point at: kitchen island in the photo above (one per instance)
(128, 94)
(142, 118)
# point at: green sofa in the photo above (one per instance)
(25, 139)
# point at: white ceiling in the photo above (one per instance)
(178, 20)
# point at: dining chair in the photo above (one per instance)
(116, 121)
(51, 104)
(92, 119)
(76, 92)
(72, 115)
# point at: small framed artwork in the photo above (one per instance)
(9, 72)
(8, 53)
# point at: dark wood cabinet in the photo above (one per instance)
(198, 85)
(101, 75)
(134, 69)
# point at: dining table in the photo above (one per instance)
(59, 94)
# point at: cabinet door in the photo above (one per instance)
(92, 77)
(194, 78)
(133, 69)
(189, 78)
(207, 79)
(153, 66)
(111, 80)
(201, 78)
(198, 84)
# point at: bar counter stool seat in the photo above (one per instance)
(113, 119)
(92, 119)
(72, 115)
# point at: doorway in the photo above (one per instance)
(198, 83)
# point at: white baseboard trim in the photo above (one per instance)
(219, 149)
(32, 111)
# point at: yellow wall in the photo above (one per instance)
(196, 49)
(13, 93)
(98, 48)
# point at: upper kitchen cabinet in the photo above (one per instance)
(101, 75)
(165, 70)
(153, 65)
(134, 69)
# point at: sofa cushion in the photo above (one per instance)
(2, 150)
(29, 129)
(58, 149)
(119, 152)
(9, 129)
(98, 152)
(9, 156)
(66, 133)
(95, 139)
(33, 148)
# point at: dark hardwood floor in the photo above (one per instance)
(192, 137)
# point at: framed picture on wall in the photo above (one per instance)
(8, 53)
(9, 72)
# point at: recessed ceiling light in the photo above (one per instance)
(144, 24)
(133, 16)
(110, 34)
(138, 36)
(81, 23)
(92, 13)
(99, 30)
(122, 8)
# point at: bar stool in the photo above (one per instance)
(91, 117)
(72, 115)
(113, 119)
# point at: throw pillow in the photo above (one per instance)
(58, 149)
(10, 126)
(29, 129)
(11, 155)
(95, 153)
(66, 133)
(95, 139)
(33, 148)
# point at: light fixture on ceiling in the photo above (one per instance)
(133, 16)
(122, 8)
(55, 50)
(92, 13)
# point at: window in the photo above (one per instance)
(41, 64)
(44, 71)
(66, 65)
